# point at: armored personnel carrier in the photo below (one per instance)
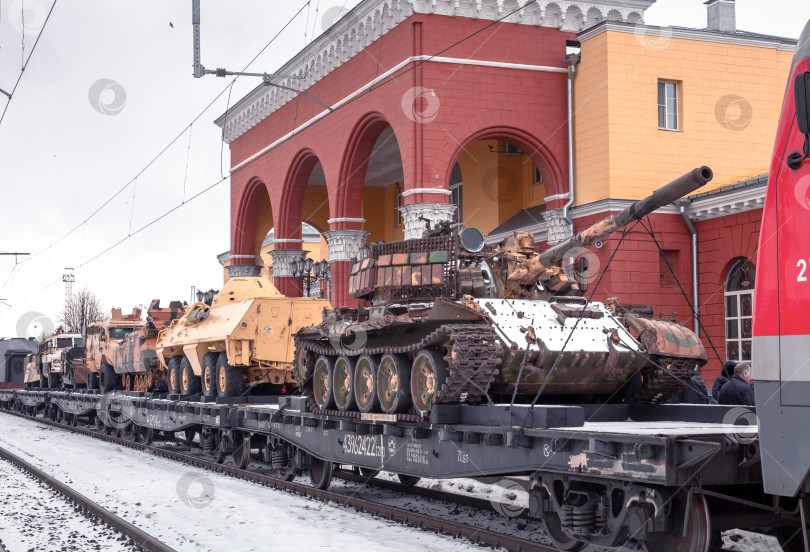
(244, 337)
(451, 320)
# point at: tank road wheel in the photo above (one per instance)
(230, 382)
(173, 375)
(320, 473)
(427, 377)
(189, 383)
(698, 532)
(393, 383)
(365, 383)
(108, 379)
(408, 480)
(241, 449)
(92, 380)
(322, 382)
(209, 374)
(343, 383)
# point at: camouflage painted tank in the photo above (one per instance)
(452, 320)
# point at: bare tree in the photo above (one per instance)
(83, 308)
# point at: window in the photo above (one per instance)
(667, 105)
(739, 297)
(457, 192)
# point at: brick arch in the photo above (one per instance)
(254, 219)
(530, 135)
(293, 191)
(346, 200)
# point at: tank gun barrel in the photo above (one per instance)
(665, 195)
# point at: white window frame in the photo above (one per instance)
(737, 297)
(669, 100)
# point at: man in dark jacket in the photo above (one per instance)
(738, 390)
(722, 379)
(695, 392)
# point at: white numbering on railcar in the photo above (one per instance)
(803, 265)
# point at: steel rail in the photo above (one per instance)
(135, 534)
(415, 519)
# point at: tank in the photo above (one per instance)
(445, 319)
(103, 338)
(243, 338)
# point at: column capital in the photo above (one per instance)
(435, 213)
(344, 245)
(282, 259)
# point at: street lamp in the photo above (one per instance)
(309, 271)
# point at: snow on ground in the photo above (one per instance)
(191, 509)
(35, 517)
(745, 541)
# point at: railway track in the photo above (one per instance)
(134, 534)
(416, 519)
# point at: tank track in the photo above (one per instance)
(660, 386)
(474, 355)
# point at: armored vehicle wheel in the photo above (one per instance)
(320, 473)
(408, 480)
(209, 374)
(322, 382)
(230, 382)
(427, 377)
(699, 530)
(189, 383)
(343, 383)
(393, 383)
(365, 383)
(173, 375)
(108, 378)
(92, 380)
(241, 451)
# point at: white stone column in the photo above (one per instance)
(435, 213)
(282, 261)
(344, 245)
(557, 228)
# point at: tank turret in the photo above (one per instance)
(448, 319)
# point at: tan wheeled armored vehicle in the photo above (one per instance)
(55, 364)
(102, 340)
(243, 338)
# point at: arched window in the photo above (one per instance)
(739, 297)
(457, 192)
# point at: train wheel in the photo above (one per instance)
(365, 383)
(148, 435)
(320, 473)
(230, 381)
(189, 382)
(209, 374)
(322, 382)
(393, 383)
(790, 539)
(343, 383)
(108, 378)
(241, 452)
(699, 530)
(369, 473)
(188, 436)
(427, 377)
(174, 375)
(408, 480)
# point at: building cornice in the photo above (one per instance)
(371, 19)
(704, 35)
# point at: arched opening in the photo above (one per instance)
(739, 299)
(500, 184)
(254, 221)
(383, 186)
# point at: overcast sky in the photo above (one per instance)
(109, 86)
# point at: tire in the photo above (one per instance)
(173, 375)
(189, 382)
(108, 379)
(230, 381)
(92, 380)
(343, 383)
(394, 383)
(322, 382)
(209, 374)
(427, 377)
(365, 383)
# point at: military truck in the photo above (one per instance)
(102, 340)
(54, 365)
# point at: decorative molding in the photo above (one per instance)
(435, 213)
(244, 271)
(282, 259)
(371, 19)
(726, 203)
(556, 197)
(345, 219)
(344, 245)
(285, 240)
(557, 228)
(439, 191)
